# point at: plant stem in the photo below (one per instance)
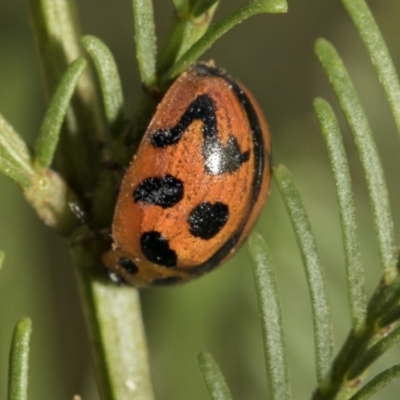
(55, 25)
(115, 325)
(356, 346)
(113, 313)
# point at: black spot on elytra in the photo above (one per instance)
(207, 219)
(160, 191)
(156, 249)
(218, 158)
(128, 265)
(166, 281)
(260, 153)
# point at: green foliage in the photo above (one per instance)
(220, 28)
(87, 141)
(362, 134)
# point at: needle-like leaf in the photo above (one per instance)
(110, 82)
(145, 37)
(13, 149)
(314, 273)
(19, 357)
(340, 169)
(271, 319)
(213, 379)
(378, 51)
(50, 130)
(217, 30)
(377, 383)
(373, 353)
(357, 120)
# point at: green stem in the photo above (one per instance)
(115, 325)
(186, 30)
(390, 317)
(373, 353)
(52, 199)
(352, 348)
(146, 107)
(55, 25)
(356, 347)
(216, 31)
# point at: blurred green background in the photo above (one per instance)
(273, 56)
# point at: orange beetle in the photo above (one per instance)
(196, 185)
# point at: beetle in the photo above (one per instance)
(196, 185)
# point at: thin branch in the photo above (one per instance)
(115, 325)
